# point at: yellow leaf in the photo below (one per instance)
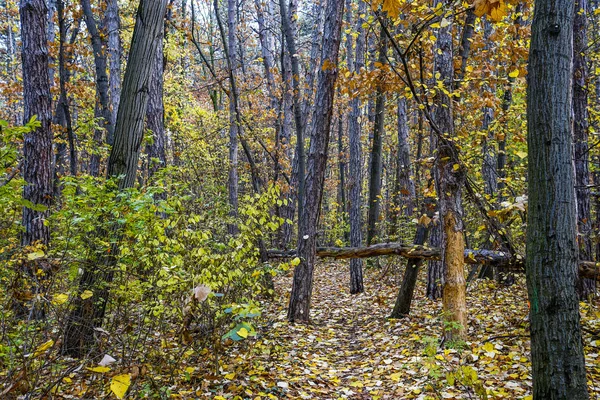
(119, 384)
(60, 299)
(230, 375)
(295, 261)
(456, 167)
(392, 7)
(190, 370)
(86, 294)
(243, 332)
(514, 74)
(482, 7)
(396, 377)
(99, 369)
(43, 347)
(35, 255)
(521, 154)
(498, 11)
(357, 384)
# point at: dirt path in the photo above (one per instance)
(351, 350)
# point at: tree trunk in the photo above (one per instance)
(556, 345)
(377, 147)
(112, 25)
(286, 23)
(299, 307)
(155, 114)
(37, 144)
(404, 192)
(355, 170)
(585, 287)
(100, 63)
(451, 177)
(405, 294)
(88, 314)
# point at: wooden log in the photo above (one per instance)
(587, 269)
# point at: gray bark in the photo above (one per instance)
(299, 306)
(37, 144)
(88, 314)
(355, 170)
(376, 168)
(112, 25)
(556, 344)
(580, 139)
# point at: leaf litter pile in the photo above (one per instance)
(351, 350)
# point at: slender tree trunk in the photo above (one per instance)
(405, 294)
(377, 147)
(290, 40)
(556, 344)
(451, 176)
(100, 63)
(580, 137)
(355, 170)
(112, 25)
(155, 114)
(299, 307)
(62, 113)
(88, 314)
(404, 191)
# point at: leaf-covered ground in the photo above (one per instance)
(351, 350)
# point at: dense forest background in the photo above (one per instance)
(180, 178)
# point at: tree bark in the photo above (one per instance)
(556, 345)
(451, 179)
(286, 23)
(404, 192)
(405, 294)
(88, 314)
(100, 63)
(580, 139)
(37, 144)
(377, 147)
(355, 170)
(299, 307)
(155, 113)
(112, 25)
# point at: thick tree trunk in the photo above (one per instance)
(580, 139)
(299, 307)
(355, 170)
(37, 144)
(376, 168)
(556, 345)
(451, 179)
(88, 314)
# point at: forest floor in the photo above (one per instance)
(351, 350)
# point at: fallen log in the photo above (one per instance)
(587, 269)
